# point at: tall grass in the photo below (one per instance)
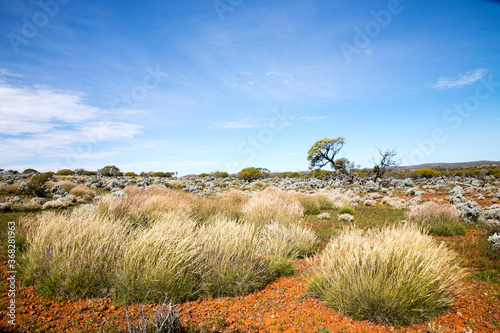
(141, 202)
(439, 219)
(270, 205)
(72, 254)
(100, 253)
(392, 275)
(82, 191)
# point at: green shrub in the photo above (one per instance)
(250, 174)
(36, 185)
(346, 210)
(393, 275)
(65, 172)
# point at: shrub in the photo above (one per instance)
(109, 170)
(323, 216)
(393, 275)
(272, 204)
(439, 219)
(249, 174)
(36, 185)
(346, 210)
(65, 172)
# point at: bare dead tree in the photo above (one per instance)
(387, 161)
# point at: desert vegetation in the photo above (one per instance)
(393, 249)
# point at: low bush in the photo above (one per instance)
(346, 210)
(392, 275)
(438, 219)
(36, 185)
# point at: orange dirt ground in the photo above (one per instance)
(283, 306)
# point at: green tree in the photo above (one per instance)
(65, 172)
(79, 172)
(323, 152)
(249, 174)
(109, 170)
(30, 171)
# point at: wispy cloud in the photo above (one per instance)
(460, 80)
(42, 122)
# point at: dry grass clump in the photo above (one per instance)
(140, 203)
(309, 203)
(72, 254)
(258, 185)
(94, 253)
(9, 188)
(439, 219)
(68, 186)
(290, 241)
(82, 191)
(163, 259)
(272, 204)
(393, 275)
(325, 201)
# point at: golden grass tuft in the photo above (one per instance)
(82, 191)
(393, 275)
(273, 204)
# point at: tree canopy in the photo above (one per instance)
(323, 152)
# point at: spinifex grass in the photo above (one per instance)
(439, 219)
(392, 275)
(95, 253)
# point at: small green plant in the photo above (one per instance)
(346, 210)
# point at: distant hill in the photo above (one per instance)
(448, 165)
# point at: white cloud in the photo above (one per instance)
(460, 80)
(42, 122)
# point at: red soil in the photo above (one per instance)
(283, 305)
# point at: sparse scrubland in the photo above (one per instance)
(393, 251)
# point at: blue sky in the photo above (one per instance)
(200, 86)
